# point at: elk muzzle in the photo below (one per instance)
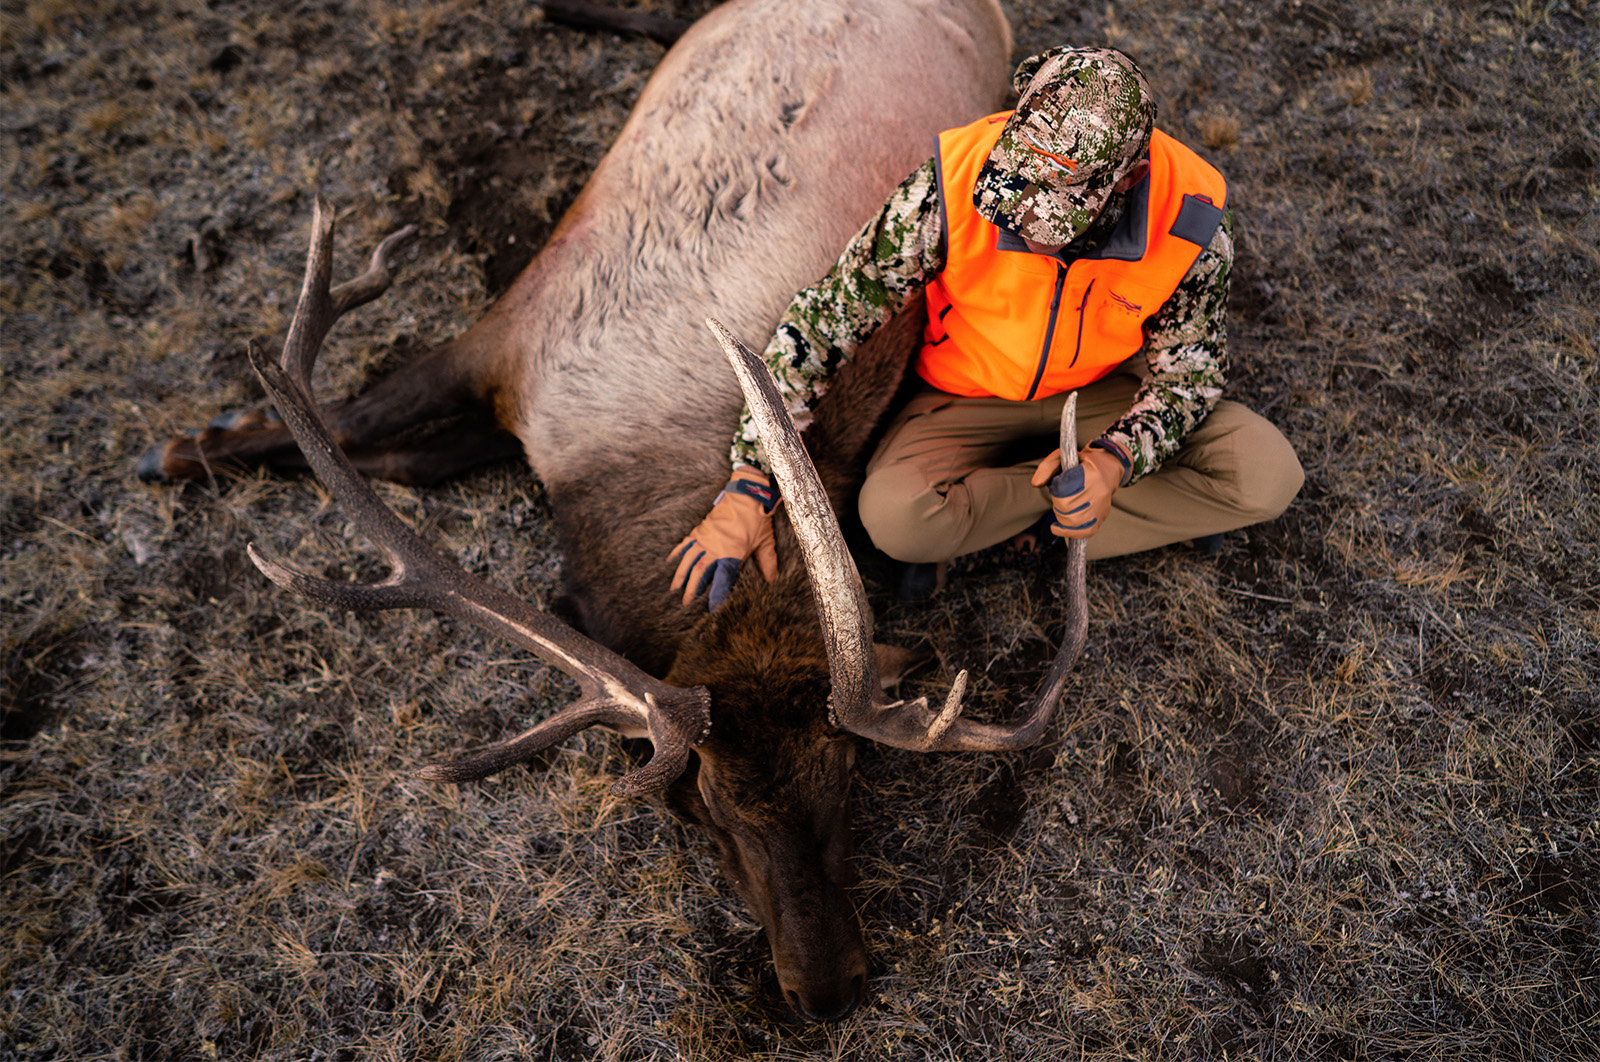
(790, 855)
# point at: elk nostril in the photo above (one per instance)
(838, 1009)
(858, 992)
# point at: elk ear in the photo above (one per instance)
(894, 662)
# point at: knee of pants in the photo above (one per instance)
(1271, 475)
(902, 514)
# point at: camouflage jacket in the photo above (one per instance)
(897, 252)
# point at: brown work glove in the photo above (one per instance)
(739, 524)
(1081, 495)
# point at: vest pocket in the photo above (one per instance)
(1118, 312)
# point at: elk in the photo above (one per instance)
(768, 133)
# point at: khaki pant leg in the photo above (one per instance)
(932, 490)
(1234, 470)
(933, 493)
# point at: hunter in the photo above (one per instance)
(1066, 245)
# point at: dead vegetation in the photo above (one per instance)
(1332, 794)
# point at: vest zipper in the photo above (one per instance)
(1050, 328)
(1078, 346)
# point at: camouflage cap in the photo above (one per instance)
(1083, 121)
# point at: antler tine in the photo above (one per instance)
(613, 691)
(835, 582)
(969, 736)
(964, 735)
(910, 724)
(676, 726)
(361, 290)
(857, 704)
(320, 307)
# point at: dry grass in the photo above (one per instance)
(1332, 794)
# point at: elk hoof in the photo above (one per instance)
(152, 466)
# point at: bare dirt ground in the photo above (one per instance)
(1329, 795)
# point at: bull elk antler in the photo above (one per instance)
(613, 692)
(857, 703)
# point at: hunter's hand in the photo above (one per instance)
(1081, 495)
(738, 525)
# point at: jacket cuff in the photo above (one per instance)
(763, 494)
(1115, 450)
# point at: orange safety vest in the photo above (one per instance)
(1018, 325)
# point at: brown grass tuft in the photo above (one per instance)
(106, 117)
(123, 223)
(1357, 87)
(1219, 130)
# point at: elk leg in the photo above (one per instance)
(426, 460)
(442, 384)
(438, 456)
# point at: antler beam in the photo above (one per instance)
(612, 691)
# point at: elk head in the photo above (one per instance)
(744, 696)
(773, 784)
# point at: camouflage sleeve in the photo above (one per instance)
(1186, 349)
(883, 268)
